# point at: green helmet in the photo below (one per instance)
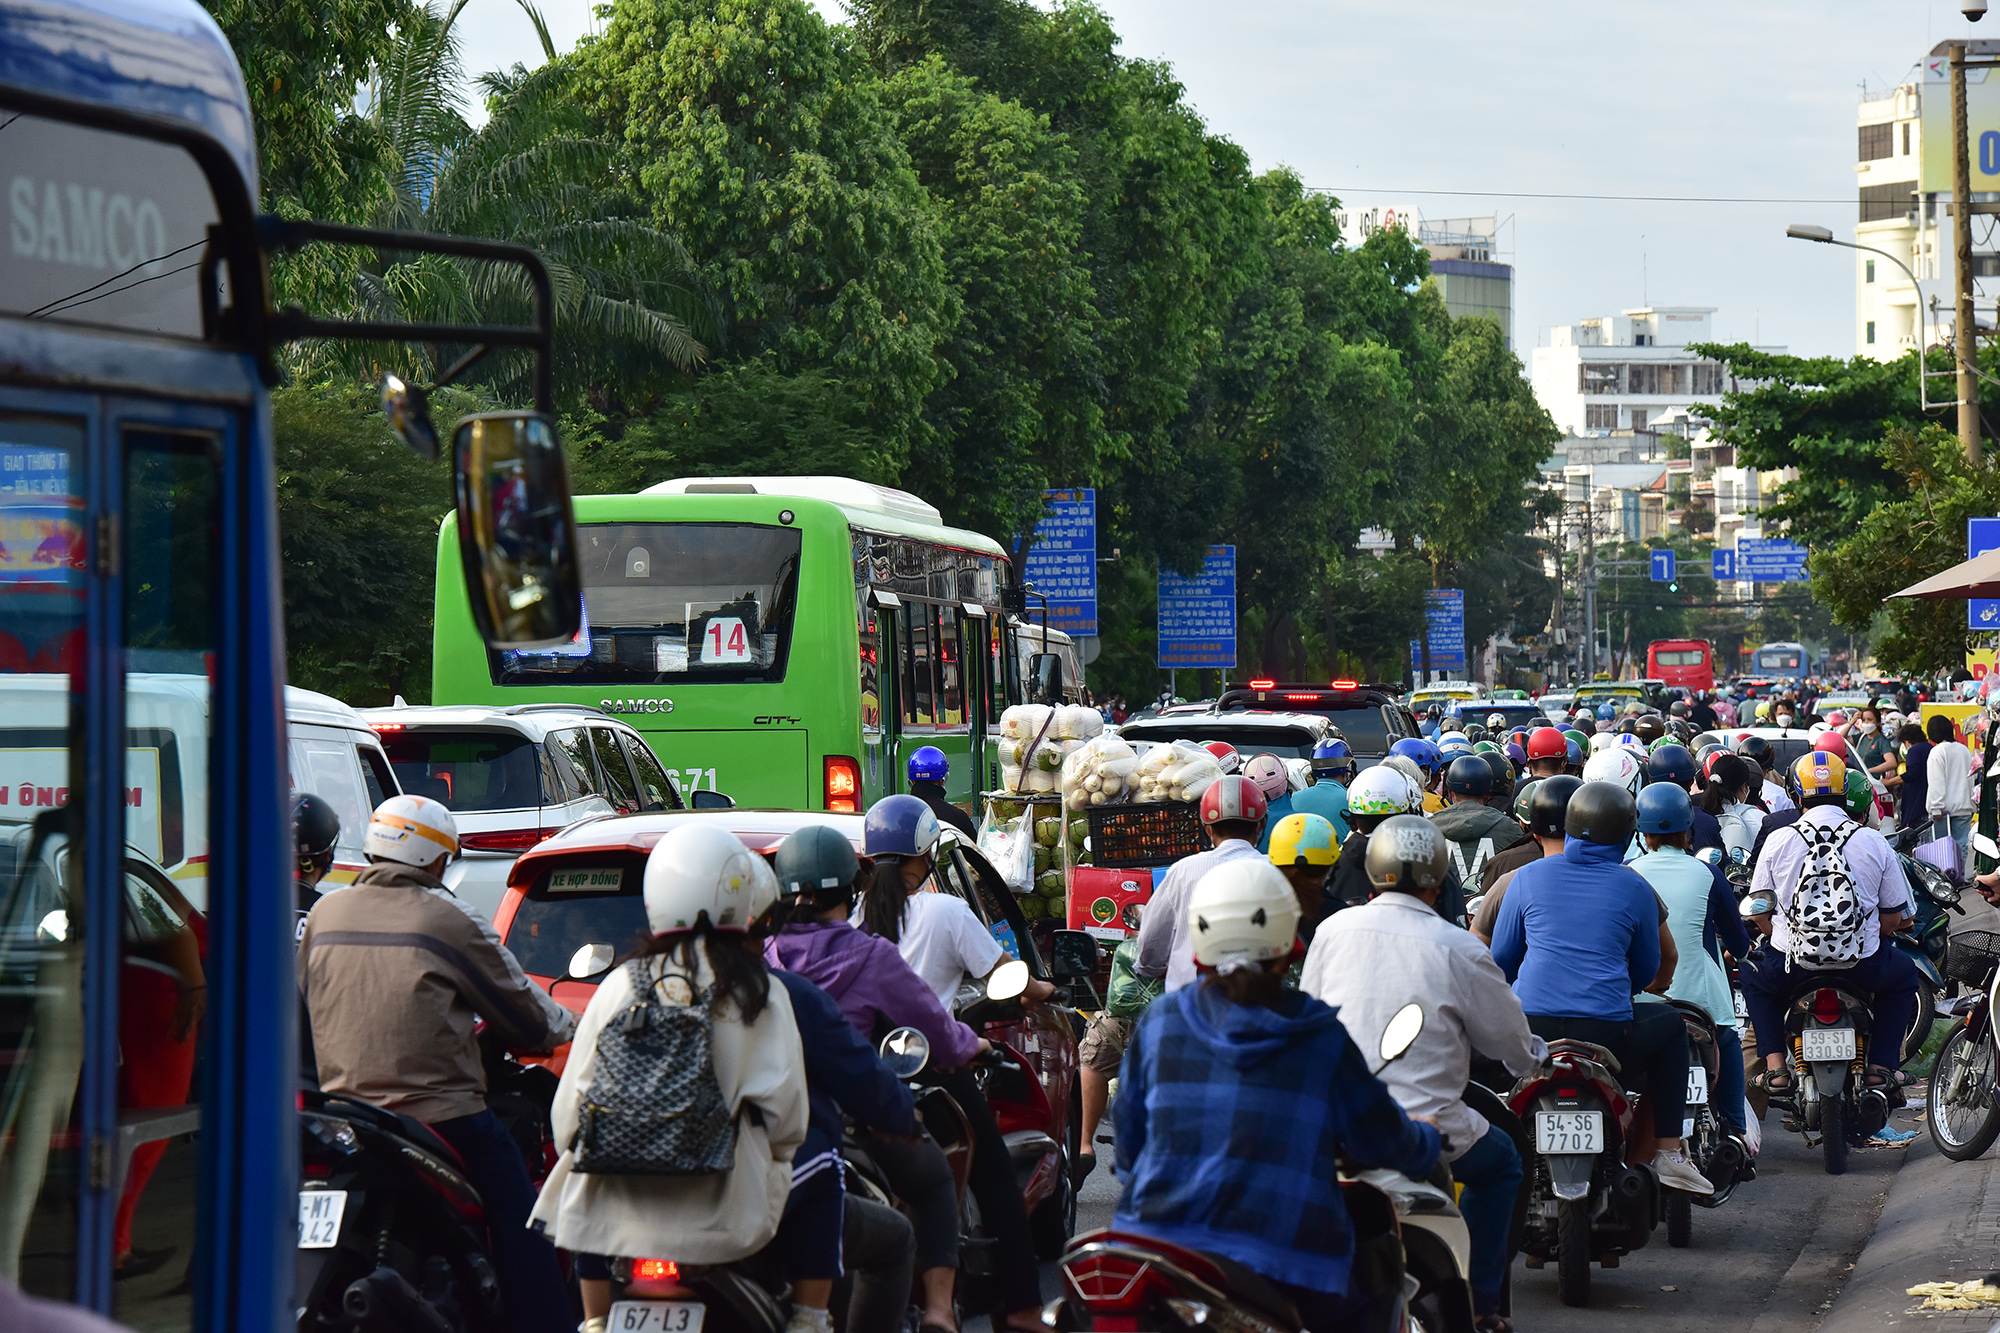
(815, 858)
(1485, 747)
(1857, 796)
(1572, 734)
(1662, 743)
(1524, 798)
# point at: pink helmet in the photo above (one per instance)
(1268, 772)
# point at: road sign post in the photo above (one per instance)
(1444, 624)
(1198, 614)
(1062, 564)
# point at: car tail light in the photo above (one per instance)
(505, 840)
(843, 784)
(1345, 685)
(385, 726)
(1263, 684)
(1303, 698)
(655, 1270)
(1826, 1007)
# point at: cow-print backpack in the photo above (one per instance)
(1824, 916)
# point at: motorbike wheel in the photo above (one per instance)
(1962, 1117)
(1680, 1220)
(1833, 1124)
(1052, 1223)
(1573, 1251)
(1920, 1023)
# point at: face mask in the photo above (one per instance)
(1784, 719)
(1867, 728)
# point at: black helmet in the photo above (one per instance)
(1625, 726)
(1649, 728)
(1547, 814)
(1502, 769)
(1671, 763)
(1603, 813)
(1679, 708)
(1475, 732)
(815, 858)
(1436, 710)
(1469, 775)
(315, 826)
(1758, 751)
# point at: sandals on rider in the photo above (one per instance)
(1777, 1082)
(1493, 1323)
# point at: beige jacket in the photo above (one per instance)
(689, 1219)
(395, 972)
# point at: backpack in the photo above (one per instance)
(1824, 916)
(653, 1107)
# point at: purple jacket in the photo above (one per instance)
(874, 987)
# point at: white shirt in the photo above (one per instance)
(944, 943)
(1370, 961)
(1878, 880)
(1775, 798)
(1740, 823)
(1165, 947)
(1949, 772)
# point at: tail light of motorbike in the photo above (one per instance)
(1569, 1092)
(1113, 1282)
(655, 1279)
(1826, 1007)
(655, 1270)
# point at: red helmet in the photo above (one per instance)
(1225, 755)
(1547, 743)
(1233, 798)
(1831, 742)
(1708, 764)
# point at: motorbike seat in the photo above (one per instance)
(1254, 1289)
(430, 1140)
(1589, 1050)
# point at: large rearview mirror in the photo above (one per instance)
(906, 1051)
(1045, 678)
(516, 534)
(1009, 981)
(1073, 953)
(1401, 1032)
(408, 412)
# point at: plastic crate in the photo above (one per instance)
(1129, 837)
(1971, 956)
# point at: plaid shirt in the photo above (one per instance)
(1229, 1118)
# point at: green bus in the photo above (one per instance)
(742, 625)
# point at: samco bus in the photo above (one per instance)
(1688, 663)
(787, 641)
(149, 1129)
(1785, 661)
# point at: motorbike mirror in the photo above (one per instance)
(516, 531)
(906, 1051)
(590, 960)
(703, 799)
(408, 412)
(1009, 981)
(1402, 1032)
(1472, 905)
(1073, 953)
(1984, 845)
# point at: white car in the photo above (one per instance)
(1558, 703)
(1791, 742)
(513, 777)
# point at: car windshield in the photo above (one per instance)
(1285, 742)
(674, 602)
(1517, 714)
(468, 769)
(547, 931)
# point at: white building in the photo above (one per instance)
(1629, 371)
(1464, 255)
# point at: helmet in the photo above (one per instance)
(1758, 751)
(1267, 772)
(1818, 773)
(1232, 798)
(1546, 743)
(315, 827)
(1617, 765)
(1625, 726)
(1548, 812)
(1629, 741)
(1600, 741)
(1403, 764)
(1671, 764)
(1298, 773)
(1420, 752)
(1714, 755)
(1407, 852)
(1603, 813)
(1836, 718)
(929, 765)
(899, 826)
(1575, 736)
(1474, 732)
(1763, 709)
(1496, 721)
(411, 830)
(1503, 771)
(1572, 754)
(1650, 728)
(701, 869)
(1831, 742)
(1450, 747)
(1307, 838)
(1485, 747)
(1380, 790)
(1225, 755)
(1515, 754)
(1434, 711)
(1332, 758)
(1524, 798)
(1242, 913)
(1665, 808)
(817, 856)
(1469, 776)
(1605, 712)
(1679, 708)
(1860, 797)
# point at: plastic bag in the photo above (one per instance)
(1098, 771)
(1128, 994)
(1178, 771)
(1009, 846)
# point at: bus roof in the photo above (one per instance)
(163, 58)
(875, 508)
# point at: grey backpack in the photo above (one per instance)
(653, 1107)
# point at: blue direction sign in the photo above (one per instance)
(1770, 560)
(1982, 535)
(1722, 561)
(1198, 615)
(1062, 564)
(1663, 566)
(1444, 622)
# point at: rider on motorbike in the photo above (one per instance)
(1232, 813)
(1763, 756)
(1472, 829)
(1332, 765)
(1394, 950)
(1304, 848)
(1236, 1049)
(1548, 807)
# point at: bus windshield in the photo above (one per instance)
(1778, 659)
(674, 602)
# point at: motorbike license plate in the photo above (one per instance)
(656, 1316)
(1742, 1009)
(1828, 1044)
(320, 1212)
(1559, 1133)
(1697, 1086)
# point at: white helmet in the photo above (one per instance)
(1242, 914)
(410, 830)
(1379, 790)
(1300, 773)
(1618, 764)
(1600, 742)
(702, 868)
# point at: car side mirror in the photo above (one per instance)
(591, 960)
(699, 799)
(516, 532)
(1045, 678)
(1073, 953)
(906, 1051)
(1009, 981)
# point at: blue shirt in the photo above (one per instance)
(1275, 811)
(1327, 799)
(1578, 934)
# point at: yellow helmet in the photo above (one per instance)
(1308, 838)
(1818, 773)
(1763, 709)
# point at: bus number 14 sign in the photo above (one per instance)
(725, 641)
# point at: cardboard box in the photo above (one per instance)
(1106, 902)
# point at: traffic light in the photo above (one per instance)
(1675, 586)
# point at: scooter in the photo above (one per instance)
(1933, 896)
(1826, 1029)
(1716, 1152)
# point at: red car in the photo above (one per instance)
(582, 888)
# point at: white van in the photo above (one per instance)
(333, 753)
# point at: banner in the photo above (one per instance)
(1444, 623)
(1062, 563)
(1198, 615)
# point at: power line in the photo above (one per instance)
(1616, 198)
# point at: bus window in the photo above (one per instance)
(915, 649)
(617, 777)
(950, 669)
(871, 682)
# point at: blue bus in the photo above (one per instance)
(148, 1124)
(1782, 661)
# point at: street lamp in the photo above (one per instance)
(1806, 231)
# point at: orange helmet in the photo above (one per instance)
(1818, 773)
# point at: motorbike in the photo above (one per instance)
(1714, 1150)
(1411, 1255)
(1963, 1114)
(1934, 895)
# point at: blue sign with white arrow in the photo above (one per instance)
(1663, 566)
(1723, 563)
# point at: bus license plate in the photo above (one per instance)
(656, 1316)
(1697, 1086)
(1559, 1133)
(1828, 1044)
(320, 1212)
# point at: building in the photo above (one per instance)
(1629, 371)
(1463, 254)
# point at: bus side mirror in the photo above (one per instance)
(516, 533)
(1045, 678)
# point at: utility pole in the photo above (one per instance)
(1589, 577)
(1962, 209)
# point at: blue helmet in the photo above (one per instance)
(1665, 808)
(1419, 752)
(1671, 764)
(1575, 755)
(1331, 758)
(899, 826)
(929, 765)
(1450, 747)
(1606, 711)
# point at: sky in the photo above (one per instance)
(1375, 102)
